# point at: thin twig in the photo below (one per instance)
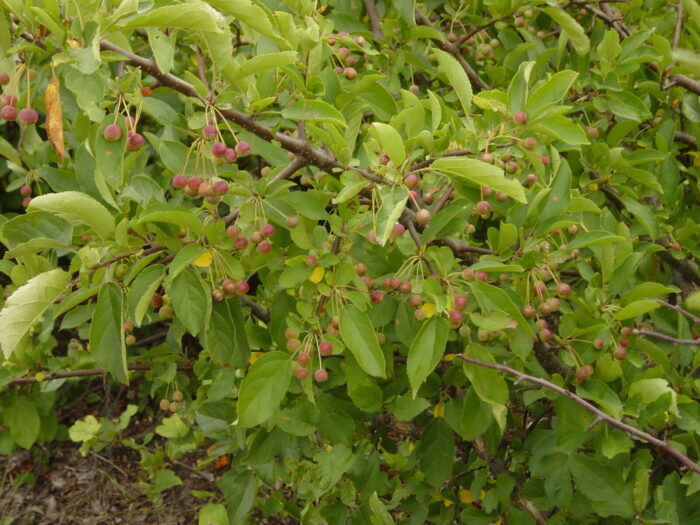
(374, 21)
(477, 83)
(289, 170)
(202, 68)
(677, 308)
(416, 240)
(257, 310)
(664, 337)
(635, 432)
(680, 8)
(83, 373)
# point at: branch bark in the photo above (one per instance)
(374, 21)
(663, 337)
(83, 373)
(600, 415)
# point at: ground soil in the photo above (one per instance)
(69, 489)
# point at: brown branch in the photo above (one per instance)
(374, 21)
(477, 83)
(257, 310)
(686, 138)
(677, 308)
(416, 239)
(202, 68)
(635, 432)
(428, 162)
(667, 338)
(679, 24)
(289, 170)
(83, 373)
(116, 258)
(485, 26)
(444, 199)
(459, 248)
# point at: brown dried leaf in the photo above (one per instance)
(54, 116)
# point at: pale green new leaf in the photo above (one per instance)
(79, 207)
(551, 92)
(26, 306)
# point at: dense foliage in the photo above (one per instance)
(392, 262)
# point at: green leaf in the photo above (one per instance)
(457, 78)
(213, 514)
(239, 490)
(305, 109)
(107, 332)
(480, 174)
(647, 290)
(488, 384)
(315, 110)
(27, 305)
(603, 486)
(390, 142)
(593, 238)
(188, 16)
(22, 417)
(162, 47)
(263, 388)
(250, 13)
(644, 215)
(380, 516)
(225, 336)
(77, 206)
(363, 392)
(493, 298)
(184, 219)
(359, 336)
(141, 292)
(184, 258)
(603, 395)
(636, 308)
(172, 427)
(332, 464)
(394, 200)
(625, 104)
(571, 27)
(191, 301)
(561, 128)
(9, 152)
(29, 226)
(425, 351)
(436, 452)
(517, 91)
(551, 91)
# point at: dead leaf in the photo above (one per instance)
(54, 116)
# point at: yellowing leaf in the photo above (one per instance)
(439, 410)
(203, 260)
(54, 116)
(429, 309)
(317, 275)
(254, 357)
(465, 496)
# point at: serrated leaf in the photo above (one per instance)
(177, 217)
(22, 418)
(27, 305)
(359, 336)
(636, 308)
(480, 174)
(225, 336)
(314, 110)
(77, 206)
(263, 388)
(425, 351)
(488, 384)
